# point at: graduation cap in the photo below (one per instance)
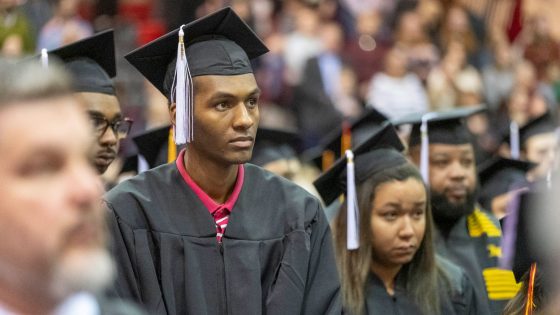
(446, 127)
(217, 44)
(499, 175)
(379, 152)
(156, 146)
(274, 144)
(360, 129)
(517, 137)
(91, 62)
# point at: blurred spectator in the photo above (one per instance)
(498, 77)
(65, 27)
(453, 79)
(541, 49)
(16, 33)
(303, 43)
(457, 27)
(366, 49)
(526, 77)
(412, 38)
(395, 92)
(322, 91)
(271, 72)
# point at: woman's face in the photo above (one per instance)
(398, 221)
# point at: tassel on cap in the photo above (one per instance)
(171, 148)
(44, 58)
(352, 212)
(530, 304)
(182, 93)
(346, 137)
(425, 148)
(514, 140)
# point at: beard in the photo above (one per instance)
(90, 270)
(446, 213)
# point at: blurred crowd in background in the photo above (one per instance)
(330, 60)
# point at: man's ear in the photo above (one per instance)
(172, 109)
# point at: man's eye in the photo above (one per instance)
(439, 163)
(41, 167)
(253, 102)
(467, 162)
(221, 106)
(97, 122)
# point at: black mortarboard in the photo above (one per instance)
(217, 44)
(91, 62)
(361, 128)
(446, 127)
(153, 145)
(274, 144)
(499, 175)
(380, 151)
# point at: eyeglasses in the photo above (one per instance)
(121, 127)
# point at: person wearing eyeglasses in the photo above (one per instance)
(92, 63)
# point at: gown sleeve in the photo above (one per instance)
(122, 241)
(322, 290)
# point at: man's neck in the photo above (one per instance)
(216, 180)
(387, 274)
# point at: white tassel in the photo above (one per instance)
(352, 212)
(183, 95)
(44, 58)
(514, 140)
(425, 148)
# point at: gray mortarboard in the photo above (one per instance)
(91, 62)
(274, 144)
(361, 128)
(217, 44)
(446, 127)
(382, 150)
(499, 175)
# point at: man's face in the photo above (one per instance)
(103, 107)
(226, 117)
(543, 150)
(51, 220)
(453, 178)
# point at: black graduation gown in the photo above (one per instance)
(276, 255)
(473, 243)
(457, 295)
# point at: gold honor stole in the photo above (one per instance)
(500, 283)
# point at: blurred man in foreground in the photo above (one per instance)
(52, 240)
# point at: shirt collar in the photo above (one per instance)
(208, 202)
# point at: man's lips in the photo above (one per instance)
(457, 192)
(105, 158)
(244, 142)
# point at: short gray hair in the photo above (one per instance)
(26, 80)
